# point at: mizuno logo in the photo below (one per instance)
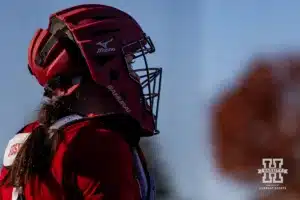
(104, 47)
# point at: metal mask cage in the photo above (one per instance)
(149, 78)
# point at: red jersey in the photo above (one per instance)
(95, 161)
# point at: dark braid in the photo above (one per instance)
(35, 156)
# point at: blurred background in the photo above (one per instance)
(204, 47)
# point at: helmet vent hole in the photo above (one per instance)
(105, 32)
(101, 18)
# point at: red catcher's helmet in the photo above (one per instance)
(103, 36)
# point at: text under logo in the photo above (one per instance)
(272, 172)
